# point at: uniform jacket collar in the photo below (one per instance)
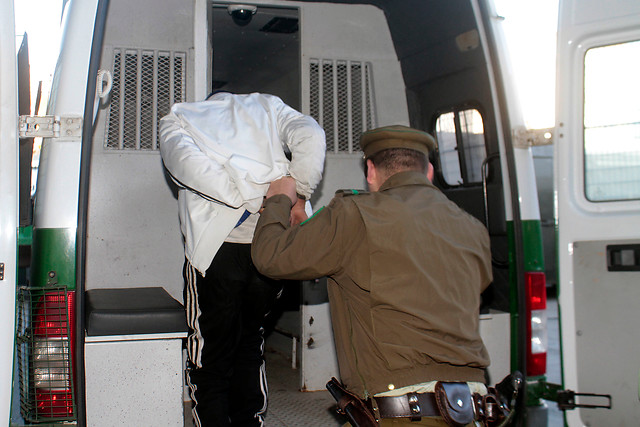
(405, 178)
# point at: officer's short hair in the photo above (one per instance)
(400, 159)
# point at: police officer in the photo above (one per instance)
(406, 268)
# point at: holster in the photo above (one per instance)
(497, 407)
(351, 405)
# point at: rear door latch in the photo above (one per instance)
(566, 399)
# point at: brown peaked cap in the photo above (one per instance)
(396, 136)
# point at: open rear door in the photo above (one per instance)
(598, 207)
(8, 203)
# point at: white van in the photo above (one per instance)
(105, 239)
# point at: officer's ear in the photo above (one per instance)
(430, 171)
(370, 170)
(373, 176)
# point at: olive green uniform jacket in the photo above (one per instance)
(406, 268)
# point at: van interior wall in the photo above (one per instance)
(134, 237)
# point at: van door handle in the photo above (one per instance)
(623, 257)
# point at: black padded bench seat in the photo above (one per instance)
(132, 311)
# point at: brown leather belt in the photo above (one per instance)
(410, 405)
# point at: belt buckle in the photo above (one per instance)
(414, 406)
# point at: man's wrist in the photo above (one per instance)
(300, 196)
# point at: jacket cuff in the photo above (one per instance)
(303, 191)
(279, 207)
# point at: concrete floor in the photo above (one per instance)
(289, 407)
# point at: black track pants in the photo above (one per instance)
(226, 311)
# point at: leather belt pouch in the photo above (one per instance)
(411, 405)
(455, 403)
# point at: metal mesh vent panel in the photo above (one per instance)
(370, 114)
(145, 85)
(147, 129)
(178, 78)
(327, 120)
(164, 100)
(130, 100)
(343, 107)
(314, 95)
(114, 122)
(356, 99)
(341, 100)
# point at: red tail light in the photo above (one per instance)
(537, 326)
(53, 320)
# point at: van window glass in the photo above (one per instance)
(447, 146)
(612, 122)
(461, 146)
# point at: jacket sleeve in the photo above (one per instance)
(191, 167)
(306, 141)
(304, 252)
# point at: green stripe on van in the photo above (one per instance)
(25, 236)
(533, 247)
(53, 257)
(533, 250)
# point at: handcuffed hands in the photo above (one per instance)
(287, 186)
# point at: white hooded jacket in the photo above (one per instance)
(224, 152)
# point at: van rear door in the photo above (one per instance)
(597, 153)
(8, 202)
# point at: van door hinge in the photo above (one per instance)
(566, 399)
(50, 127)
(1, 270)
(524, 138)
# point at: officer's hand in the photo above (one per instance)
(285, 185)
(298, 214)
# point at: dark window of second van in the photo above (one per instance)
(461, 146)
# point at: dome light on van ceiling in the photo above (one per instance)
(242, 13)
(468, 41)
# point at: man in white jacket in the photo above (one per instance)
(223, 153)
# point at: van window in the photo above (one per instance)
(461, 146)
(612, 122)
